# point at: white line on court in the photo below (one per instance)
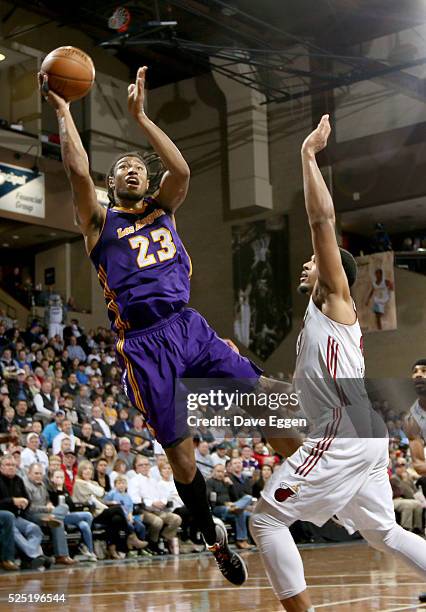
(346, 601)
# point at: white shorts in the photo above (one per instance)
(349, 480)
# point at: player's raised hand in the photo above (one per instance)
(52, 98)
(136, 95)
(317, 140)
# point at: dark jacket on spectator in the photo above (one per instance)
(120, 428)
(242, 486)
(224, 492)
(15, 389)
(12, 487)
(54, 498)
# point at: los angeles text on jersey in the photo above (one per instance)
(237, 420)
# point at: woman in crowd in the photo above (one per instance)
(109, 453)
(101, 476)
(68, 513)
(265, 474)
(87, 491)
(120, 467)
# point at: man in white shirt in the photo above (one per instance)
(100, 426)
(146, 490)
(219, 457)
(45, 403)
(203, 459)
(66, 432)
(32, 454)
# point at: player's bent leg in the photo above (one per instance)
(405, 545)
(192, 490)
(281, 559)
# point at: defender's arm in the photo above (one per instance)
(417, 446)
(175, 181)
(320, 209)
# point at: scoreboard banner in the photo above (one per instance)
(22, 191)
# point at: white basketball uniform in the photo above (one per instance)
(419, 415)
(334, 472)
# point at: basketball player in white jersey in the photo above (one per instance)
(415, 426)
(331, 473)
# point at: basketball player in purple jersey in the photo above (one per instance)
(145, 272)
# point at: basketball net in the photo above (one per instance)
(120, 19)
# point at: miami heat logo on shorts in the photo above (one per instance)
(285, 491)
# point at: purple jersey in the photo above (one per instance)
(142, 266)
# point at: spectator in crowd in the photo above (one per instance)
(265, 474)
(146, 490)
(33, 454)
(188, 527)
(142, 440)
(119, 495)
(53, 429)
(82, 520)
(261, 454)
(249, 463)
(88, 444)
(41, 513)
(109, 453)
(120, 468)
(123, 425)
(54, 464)
(101, 476)
(8, 365)
(86, 491)
(14, 498)
(69, 468)
(71, 387)
(22, 418)
(75, 351)
(125, 452)
(45, 402)
(403, 490)
(7, 419)
(224, 504)
(220, 456)
(66, 432)
(83, 403)
(16, 452)
(19, 388)
(203, 459)
(7, 549)
(160, 460)
(242, 484)
(100, 428)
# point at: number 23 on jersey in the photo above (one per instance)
(166, 252)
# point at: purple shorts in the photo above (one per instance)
(183, 346)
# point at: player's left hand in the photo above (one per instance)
(136, 95)
(317, 140)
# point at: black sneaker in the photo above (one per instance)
(230, 564)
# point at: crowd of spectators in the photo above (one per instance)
(80, 462)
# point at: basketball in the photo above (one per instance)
(70, 71)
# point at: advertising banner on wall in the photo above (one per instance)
(262, 296)
(22, 191)
(374, 292)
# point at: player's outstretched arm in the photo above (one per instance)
(89, 214)
(175, 181)
(320, 209)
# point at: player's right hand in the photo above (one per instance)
(51, 97)
(317, 140)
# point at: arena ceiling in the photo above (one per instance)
(263, 32)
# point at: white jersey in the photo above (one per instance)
(329, 372)
(419, 415)
(325, 475)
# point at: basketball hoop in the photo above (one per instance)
(120, 19)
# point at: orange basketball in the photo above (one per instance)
(70, 72)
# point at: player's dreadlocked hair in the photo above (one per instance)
(349, 265)
(154, 170)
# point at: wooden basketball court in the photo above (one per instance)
(341, 578)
